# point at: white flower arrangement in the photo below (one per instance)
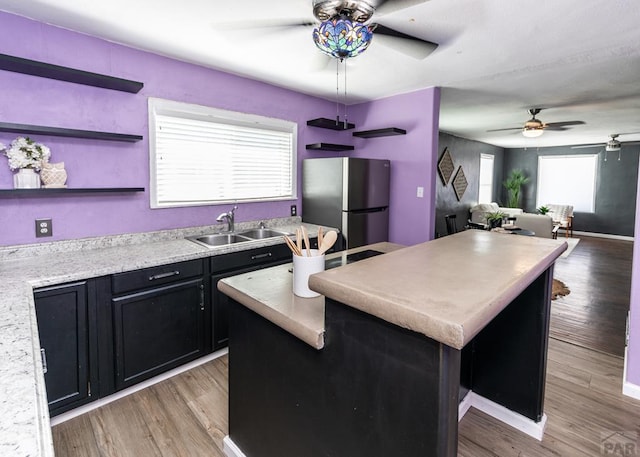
(26, 153)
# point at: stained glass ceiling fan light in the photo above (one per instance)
(341, 38)
(342, 33)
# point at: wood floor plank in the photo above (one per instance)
(121, 430)
(70, 438)
(172, 424)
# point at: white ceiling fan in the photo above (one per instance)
(534, 127)
(613, 145)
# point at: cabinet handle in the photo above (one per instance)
(261, 256)
(164, 275)
(201, 298)
(44, 360)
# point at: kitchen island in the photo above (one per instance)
(403, 341)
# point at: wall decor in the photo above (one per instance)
(459, 183)
(445, 166)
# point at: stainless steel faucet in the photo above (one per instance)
(229, 218)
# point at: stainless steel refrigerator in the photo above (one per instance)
(351, 194)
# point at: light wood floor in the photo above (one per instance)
(187, 415)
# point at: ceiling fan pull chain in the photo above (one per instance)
(345, 94)
(337, 93)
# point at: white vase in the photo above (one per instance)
(53, 175)
(26, 178)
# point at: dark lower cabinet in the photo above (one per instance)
(223, 266)
(106, 334)
(66, 325)
(157, 329)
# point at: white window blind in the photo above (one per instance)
(203, 155)
(485, 191)
(568, 180)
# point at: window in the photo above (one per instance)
(201, 155)
(568, 180)
(485, 192)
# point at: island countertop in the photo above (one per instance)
(269, 293)
(447, 289)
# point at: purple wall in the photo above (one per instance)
(633, 351)
(413, 158)
(91, 163)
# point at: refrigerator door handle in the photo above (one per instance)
(368, 210)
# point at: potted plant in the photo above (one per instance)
(26, 156)
(494, 218)
(543, 210)
(513, 184)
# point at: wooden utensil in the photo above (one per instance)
(292, 245)
(299, 240)
(305, 237)
(328, 241)
(320, 236)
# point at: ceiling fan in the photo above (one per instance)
(534, 127)
(358, 13)
(613, 145)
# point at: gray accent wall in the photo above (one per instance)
(615, 186)
(465, 153)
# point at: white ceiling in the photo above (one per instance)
(577, 59)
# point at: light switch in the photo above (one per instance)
(420, 193)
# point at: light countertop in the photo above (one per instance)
(447, 289)
(24, 419)
(269, 293)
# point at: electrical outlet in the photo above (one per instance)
(44, 227)
(294, 210)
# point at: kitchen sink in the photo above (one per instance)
(224, 239)
(219, 239)
(262, 233)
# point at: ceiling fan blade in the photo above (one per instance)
(391, 6)
(504, 130)
(263, 24)
(583, 146)
(562, 125)
(401, 42)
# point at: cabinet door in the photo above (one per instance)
(63, 325)
(220, 309)
(220, 304)
(157, 330)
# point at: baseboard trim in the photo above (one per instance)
(465, 405)
(230, 449)
(628, 388)
(631, 390)
(603, 235)
(515, 420)
(130, 390)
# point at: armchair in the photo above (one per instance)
(562, 216)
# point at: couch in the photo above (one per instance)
(540, 224)
(478, 212)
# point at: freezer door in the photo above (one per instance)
(365, 227)
(366, 184)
